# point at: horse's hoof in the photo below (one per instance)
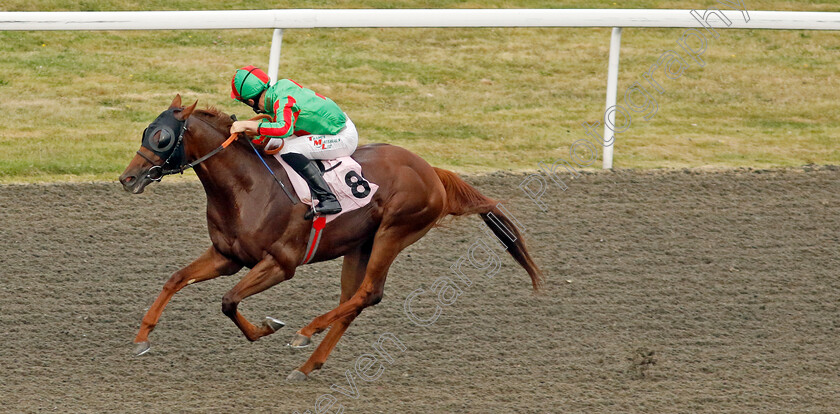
(299, 341)
(273, 324)
(297, 376)
(142, 348)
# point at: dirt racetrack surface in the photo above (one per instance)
(682, 291)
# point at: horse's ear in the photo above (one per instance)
(186, 112)
(176, 103)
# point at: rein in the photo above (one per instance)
(156, 173)
(277, 180)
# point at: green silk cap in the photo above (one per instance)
(248, 83)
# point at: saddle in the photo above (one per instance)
(344, 176)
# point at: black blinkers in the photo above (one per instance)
(165, 138)
(167, 144)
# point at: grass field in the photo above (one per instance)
(472, 100)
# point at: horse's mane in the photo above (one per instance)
(215, 117)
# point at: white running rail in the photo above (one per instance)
(711, 19)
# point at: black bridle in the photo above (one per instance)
(173, 151)
(165, 148)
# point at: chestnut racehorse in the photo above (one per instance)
(254, 224)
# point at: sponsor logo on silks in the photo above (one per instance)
(322, 141)
(318, 141)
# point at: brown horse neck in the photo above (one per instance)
(234, 172)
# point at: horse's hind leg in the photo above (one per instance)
(267, 273)
(209, 265)
(352, 274)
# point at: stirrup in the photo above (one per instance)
(313, 212)
(310, 214)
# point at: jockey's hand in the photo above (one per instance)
(248, 127)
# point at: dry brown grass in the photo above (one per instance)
(470, 100)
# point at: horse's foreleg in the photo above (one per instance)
(369, 293)
(209, 265)
(388, 242)
(352, 274)
(317, 359)
(267, 273)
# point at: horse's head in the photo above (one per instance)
(161, 149)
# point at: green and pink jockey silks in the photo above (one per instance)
(299, 111)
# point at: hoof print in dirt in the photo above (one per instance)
(641, 362)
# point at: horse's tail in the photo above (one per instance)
(463, 199)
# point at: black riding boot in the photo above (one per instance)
(327, 203)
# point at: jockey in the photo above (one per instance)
(312, 125)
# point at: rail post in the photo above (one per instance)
(612, 85)
(274, 55)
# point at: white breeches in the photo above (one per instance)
(321, 147)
